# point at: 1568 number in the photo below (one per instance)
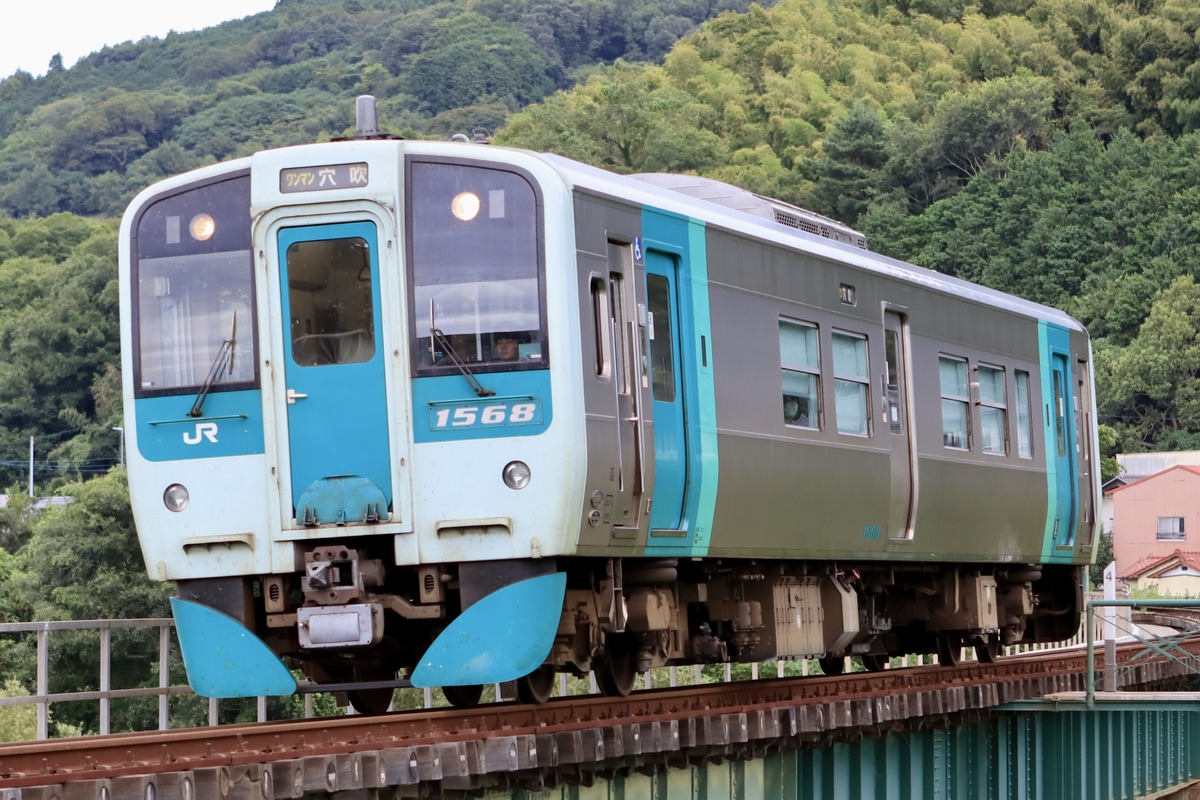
(472, 416)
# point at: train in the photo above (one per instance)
(449, 414)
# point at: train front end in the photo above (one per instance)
(347, 446)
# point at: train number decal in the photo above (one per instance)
(499, 413)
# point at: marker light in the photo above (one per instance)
(175, 498)
(202, 227)
(465, 206)
(516, 474)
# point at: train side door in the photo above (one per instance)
(1083, 450)
(627, 383)
(1063, 450)
(337, 421)
(670, 445)
(898, 425)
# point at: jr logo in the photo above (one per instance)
(204, 430)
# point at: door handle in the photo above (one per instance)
(293, 396)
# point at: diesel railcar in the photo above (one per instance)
(455, 414)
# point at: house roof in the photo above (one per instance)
(1193, 469)
(1153, 566)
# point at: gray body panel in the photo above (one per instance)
(786, 492)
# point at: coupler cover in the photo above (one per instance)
(356, 625)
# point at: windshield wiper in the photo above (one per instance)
(441, 339)
(226, 350)
(436, 337)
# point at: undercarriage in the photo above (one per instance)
(347, 618)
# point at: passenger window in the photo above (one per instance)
(662, 362)
(851, 384)
(891, 399)
(1060, 414)
(1024, 423)
(603, 321)
(955, 403)
(993, 410)
(800, 362)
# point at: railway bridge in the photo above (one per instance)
(1031, 725)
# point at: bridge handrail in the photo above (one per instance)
(43, 698)
(1110, 635)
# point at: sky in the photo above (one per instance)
(29, 37)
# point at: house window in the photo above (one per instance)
(1170, 529)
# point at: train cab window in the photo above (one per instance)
(474, 252)
(1024, 422)
(993, 410)
(956, 403)
(851, 384)
(194, 292)
(801, 372)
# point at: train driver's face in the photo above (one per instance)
(506, 349)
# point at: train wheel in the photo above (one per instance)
(616, 672)
(537, 686)
(370, 702)
(463, 696)
(874, 663)
(949, 650)
(987, 649)
(832, 665)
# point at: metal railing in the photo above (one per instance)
(1167, 647)
(43, 699)
(105, 694)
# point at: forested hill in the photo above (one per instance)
(1044, 147)
(85, 139)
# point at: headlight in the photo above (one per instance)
(202, 227)
(175, 498)
(516, 474)
(465, 206)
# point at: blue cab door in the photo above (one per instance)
(670, 442)
(337, 421)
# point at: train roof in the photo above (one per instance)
(665, 194)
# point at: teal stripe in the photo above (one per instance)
(685, 238)
(704, 483)
(1048, 438)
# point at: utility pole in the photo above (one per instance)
(31, 466)
(121, 431)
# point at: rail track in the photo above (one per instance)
(565, 739)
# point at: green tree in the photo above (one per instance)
(628, 118)
(1151, 389)
(471, 59)
(58, 331)
(83, 562)
(17, 723)
(848, 172)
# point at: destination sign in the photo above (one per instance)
(322, 179)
